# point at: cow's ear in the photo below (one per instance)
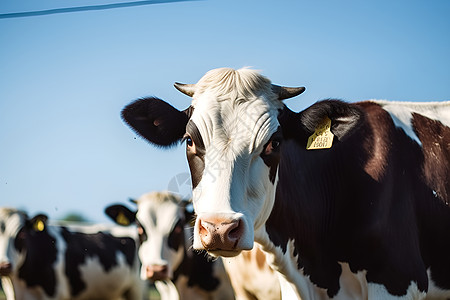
(120, 214)
(39, 222)
(156, 121)
(344, 118)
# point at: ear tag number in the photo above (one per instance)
(122, 220)
(39, 225)
(322, 138)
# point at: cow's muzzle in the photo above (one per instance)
(5, 269)
(157, 272)
(220, 234)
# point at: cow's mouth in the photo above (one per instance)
(5, 269)
(224, 253)
(157, 272)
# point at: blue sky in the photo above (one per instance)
(64, 79)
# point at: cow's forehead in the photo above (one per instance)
(239, 123)
(158, 215)
(234, 105)
(11, 221)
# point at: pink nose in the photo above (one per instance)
(5, 269)
(157, 272)
(220, 234)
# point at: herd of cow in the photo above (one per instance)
(338, 201)
(41, 260)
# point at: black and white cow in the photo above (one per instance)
(41, 261)
(166, 253)
(364, 216)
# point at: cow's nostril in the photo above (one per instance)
(235, 232)
(220, 234)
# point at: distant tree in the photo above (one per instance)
(74, 217)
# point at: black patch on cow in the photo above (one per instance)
(435, 212)
(198, 267)
(196, 159)
(176, 237)
(336, 212)
(156, 121)
(80, 246)
(271, 153)
(41, 255)
(2, 227)
(435, 138)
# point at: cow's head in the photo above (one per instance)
(233, 135)
(160, 220)
(15, 229)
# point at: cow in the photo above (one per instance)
(347, 200)
(165, 252)
(251, 277)
(39, 260)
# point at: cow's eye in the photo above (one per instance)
(189, 142)
(272, 146)
(190, 145)
(275, 144)
(141, 232)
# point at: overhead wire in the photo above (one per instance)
(84, 8)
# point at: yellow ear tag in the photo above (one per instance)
(322, 138)
(122, 220)
(39, 225)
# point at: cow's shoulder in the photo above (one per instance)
(41, 255)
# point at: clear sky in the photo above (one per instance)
(65, 77)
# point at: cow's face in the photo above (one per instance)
(160, 223)
(15, 229)
(232, 141)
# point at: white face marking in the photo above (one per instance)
(401, 113)
(235, 180)
(158, 218)
(11, 221)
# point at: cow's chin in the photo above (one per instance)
(224, 253)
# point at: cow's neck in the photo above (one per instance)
(304, 223)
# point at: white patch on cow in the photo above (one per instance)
(401, 113)
(435, 292)
(8, 288)
(167, 290)
(379, 291)
(112, 284)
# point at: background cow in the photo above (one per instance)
(166, 250)
(347, 200)
(41, 261)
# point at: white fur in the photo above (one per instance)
(401, 113)
(234, 125)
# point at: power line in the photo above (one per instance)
(84, 8)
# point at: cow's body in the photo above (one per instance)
(366, 218)
(41, 261)
(166, 250)
(251, 276)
